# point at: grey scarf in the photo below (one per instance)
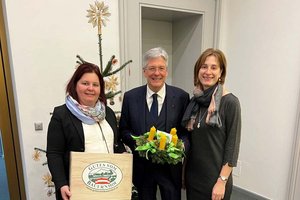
(209, 98)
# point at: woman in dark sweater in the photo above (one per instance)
(214, 119)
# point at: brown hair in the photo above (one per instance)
(221, 59)
(80, 71)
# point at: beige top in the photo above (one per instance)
(99, 137)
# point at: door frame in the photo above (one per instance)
(8, 121)
(294, 184)
(130, 38)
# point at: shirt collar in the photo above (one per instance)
(161, 93)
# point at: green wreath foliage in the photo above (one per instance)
(172, 154)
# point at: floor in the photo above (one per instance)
(236, 195)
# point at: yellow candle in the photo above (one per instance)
(163, 140)
(151, 133)
(173, 131)
(175, 139)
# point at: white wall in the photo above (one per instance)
(262, 44)
(44, 38)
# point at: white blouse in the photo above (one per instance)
(99, 137)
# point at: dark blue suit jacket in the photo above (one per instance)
(133, 122)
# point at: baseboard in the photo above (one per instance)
(240, 193)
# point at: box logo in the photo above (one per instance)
(102, 176)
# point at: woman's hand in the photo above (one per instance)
(218, 191)
(65, 192)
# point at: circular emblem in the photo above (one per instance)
(102, 176)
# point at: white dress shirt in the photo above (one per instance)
(161, 94)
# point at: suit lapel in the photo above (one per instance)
(170, 97)
(141, 104)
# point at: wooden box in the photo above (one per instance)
(100, 176)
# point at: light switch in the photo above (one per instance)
(38, 126)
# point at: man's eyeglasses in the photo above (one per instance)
(153, 69)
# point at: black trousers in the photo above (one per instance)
(154, 176)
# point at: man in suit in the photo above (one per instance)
(137, 119)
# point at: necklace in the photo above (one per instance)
(103, 137)
(201, 118)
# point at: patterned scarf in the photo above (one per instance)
(86, 114)
(210, 98)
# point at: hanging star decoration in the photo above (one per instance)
(112, 83)
(47, 178)
(98, 15)
(36, 155)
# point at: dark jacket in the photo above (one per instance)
(133, 119)
(65, 134)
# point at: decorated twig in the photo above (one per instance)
(47, 178)
(98, 15)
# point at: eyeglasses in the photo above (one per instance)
(154, 69)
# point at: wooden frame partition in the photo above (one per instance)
(8, 121)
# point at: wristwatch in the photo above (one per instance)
(223, 178)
